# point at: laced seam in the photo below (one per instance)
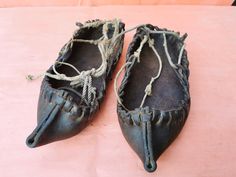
(84, 78)
(136, 55)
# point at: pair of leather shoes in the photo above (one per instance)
(153, 98)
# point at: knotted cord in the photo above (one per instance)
(136, 56)
(84, 78)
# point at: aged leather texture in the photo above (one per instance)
(62, 113)
(151, 128)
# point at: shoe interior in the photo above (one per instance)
(167, 91)
(84, 56)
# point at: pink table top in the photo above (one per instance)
(30, 41)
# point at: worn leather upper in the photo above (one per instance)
(61, 112)
(148, 129)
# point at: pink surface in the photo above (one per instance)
(30, 41)
(17, 3)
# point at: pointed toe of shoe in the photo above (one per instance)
(148, 134)
(58, 118)
(137, 129)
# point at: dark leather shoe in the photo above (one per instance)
(153, 99)
(74, 86)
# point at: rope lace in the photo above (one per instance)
(136, 57)
(84, 79)
(105, 46)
